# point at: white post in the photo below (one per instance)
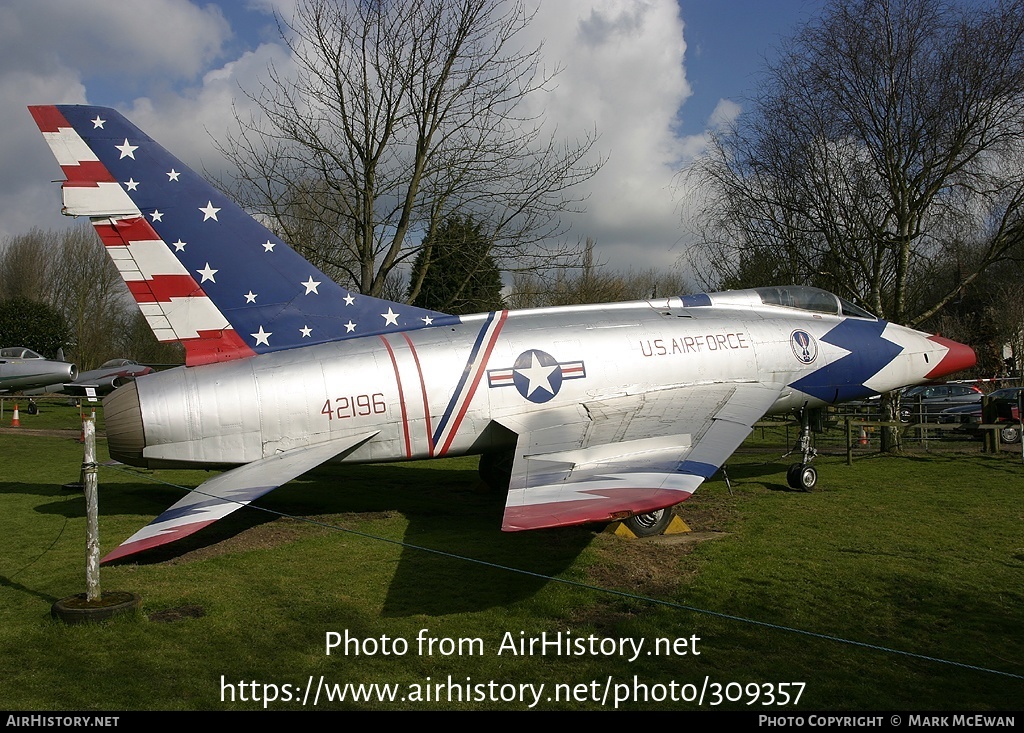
(92, 522)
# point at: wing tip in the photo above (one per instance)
(133, 546)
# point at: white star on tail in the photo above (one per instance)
(311, 286)
(262, 336)
(209, 211)
(207, 274)
(127, 151)
(390, 318)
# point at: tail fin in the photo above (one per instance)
(164, 226)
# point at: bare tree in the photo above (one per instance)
(70, 271)
(886, 141)
(888, 136)
(405, 114)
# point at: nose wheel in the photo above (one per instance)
(803, 475)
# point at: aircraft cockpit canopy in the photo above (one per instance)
(811, 299)
(18, 352)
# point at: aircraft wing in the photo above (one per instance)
(231, 490)
(632, 454)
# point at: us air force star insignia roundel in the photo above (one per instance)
(536, 375)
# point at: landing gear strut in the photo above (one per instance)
(803, 475)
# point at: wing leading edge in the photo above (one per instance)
(627, 455)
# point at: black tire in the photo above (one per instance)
(650, 524)
(793, 476)
(808, 478)
(1009, 434)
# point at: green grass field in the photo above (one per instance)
(897, 585)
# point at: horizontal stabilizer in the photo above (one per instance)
(231, 490)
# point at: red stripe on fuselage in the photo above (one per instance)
(401, 397)
(423, 392)
(479, 367)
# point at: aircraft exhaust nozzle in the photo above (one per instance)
(958, 357)
(123, 416)
(72, 373)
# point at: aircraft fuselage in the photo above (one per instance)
(437, 391)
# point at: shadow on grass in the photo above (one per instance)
(447, 519)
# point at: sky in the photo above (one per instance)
(651, 76)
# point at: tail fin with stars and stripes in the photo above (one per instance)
(202, 270)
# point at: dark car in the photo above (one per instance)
(1007, 410)
(925, 402)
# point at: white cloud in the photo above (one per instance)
(623, 73)
(111, 37)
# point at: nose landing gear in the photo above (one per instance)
(803, 475)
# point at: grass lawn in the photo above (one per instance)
(897, 585)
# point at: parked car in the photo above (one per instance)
(926, 401)
(1007, 410)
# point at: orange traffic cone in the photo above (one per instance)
(16, 422)
(863, 436)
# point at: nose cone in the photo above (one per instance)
(958, 356)
(123, 418)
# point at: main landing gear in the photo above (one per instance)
(803, 475)
(650, 524)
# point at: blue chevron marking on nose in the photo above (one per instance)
(844, 378)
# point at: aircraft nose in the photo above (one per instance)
(957, 357)
(123, 418)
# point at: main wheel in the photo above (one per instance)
(808, 477)
(650, 524)
(793, 475)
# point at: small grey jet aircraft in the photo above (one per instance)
(23, 369)
(101, 381)
(588, 413)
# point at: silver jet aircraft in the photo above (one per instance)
(24, 369)
(104, 379)
(587, 413)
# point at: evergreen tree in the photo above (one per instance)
(455, 271)
(34, 325)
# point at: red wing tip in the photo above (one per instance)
(132, 547)
(958, 357)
